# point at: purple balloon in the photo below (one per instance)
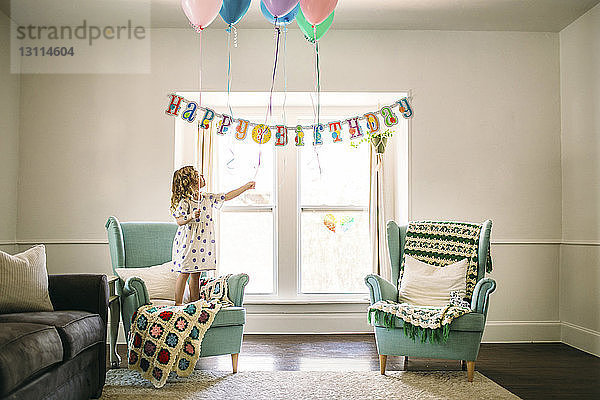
(279, 8)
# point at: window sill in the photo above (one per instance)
(276, 301)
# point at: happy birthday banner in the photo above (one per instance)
(261, 133)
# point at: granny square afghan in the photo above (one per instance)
(168, 338)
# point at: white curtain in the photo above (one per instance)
(378, 216)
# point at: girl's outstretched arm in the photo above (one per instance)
(236, 192)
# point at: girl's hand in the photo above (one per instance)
(251, 185)
(197, 214)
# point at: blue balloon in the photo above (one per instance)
(233, 10)
(285, 20)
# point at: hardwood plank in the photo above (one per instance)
(530, 370)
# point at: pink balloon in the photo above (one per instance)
(317, 11)
(279, 8)
(201, 13)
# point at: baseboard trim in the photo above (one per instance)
(521, 331)
(356, 323)
(581, 338)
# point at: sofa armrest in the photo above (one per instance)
(83, 292)
(236, 285)
(136, 287)
(481, 295)
(380, 289)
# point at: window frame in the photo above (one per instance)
(287, 275)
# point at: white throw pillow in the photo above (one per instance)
(159, 279)
(24, 281)
(423, 284)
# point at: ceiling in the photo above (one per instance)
(479, 15)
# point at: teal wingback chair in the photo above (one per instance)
(144, 244)
(465, 331)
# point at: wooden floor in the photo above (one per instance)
(531, 371)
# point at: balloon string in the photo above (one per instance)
(257, 165)
(270, 108)
(284, 73)
(318, 90)
(200, 150)
(229, 70)
(318, 76)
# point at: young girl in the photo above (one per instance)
(194, 248)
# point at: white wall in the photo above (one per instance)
(9, 140)
(485, 144)
(580, 254)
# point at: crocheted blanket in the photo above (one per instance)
(429, 323)
(440, 244)
(168, 338)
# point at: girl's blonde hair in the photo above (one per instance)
(184, 179)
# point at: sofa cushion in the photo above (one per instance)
(78, 330)
(25, 350)
(24, 281)
(471, 322)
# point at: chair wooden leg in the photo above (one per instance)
(382, 362)
(405, 363)
(234, 360)
(470, 370)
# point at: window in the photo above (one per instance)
(335, 254)
(304, 232)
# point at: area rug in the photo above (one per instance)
(123, 384)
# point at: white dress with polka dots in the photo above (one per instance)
(194, 246)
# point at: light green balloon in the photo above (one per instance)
(307, 28)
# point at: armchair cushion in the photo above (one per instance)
(158, 279)
(429, 285)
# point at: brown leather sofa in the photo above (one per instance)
(58, 354)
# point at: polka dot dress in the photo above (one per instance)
(194, 246)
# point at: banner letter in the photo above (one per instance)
(299, 136)
(389, 118)
(336, 131)
(173, 108)
(209, 115)
(189, 114)
(224, 125)
(354, 128)
(372, 122)
(318, 139)
(281, 135)
(241, 129)
(405, 108)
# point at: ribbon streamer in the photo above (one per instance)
(229, 69)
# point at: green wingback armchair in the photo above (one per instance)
(465, 332)
(144, 244)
